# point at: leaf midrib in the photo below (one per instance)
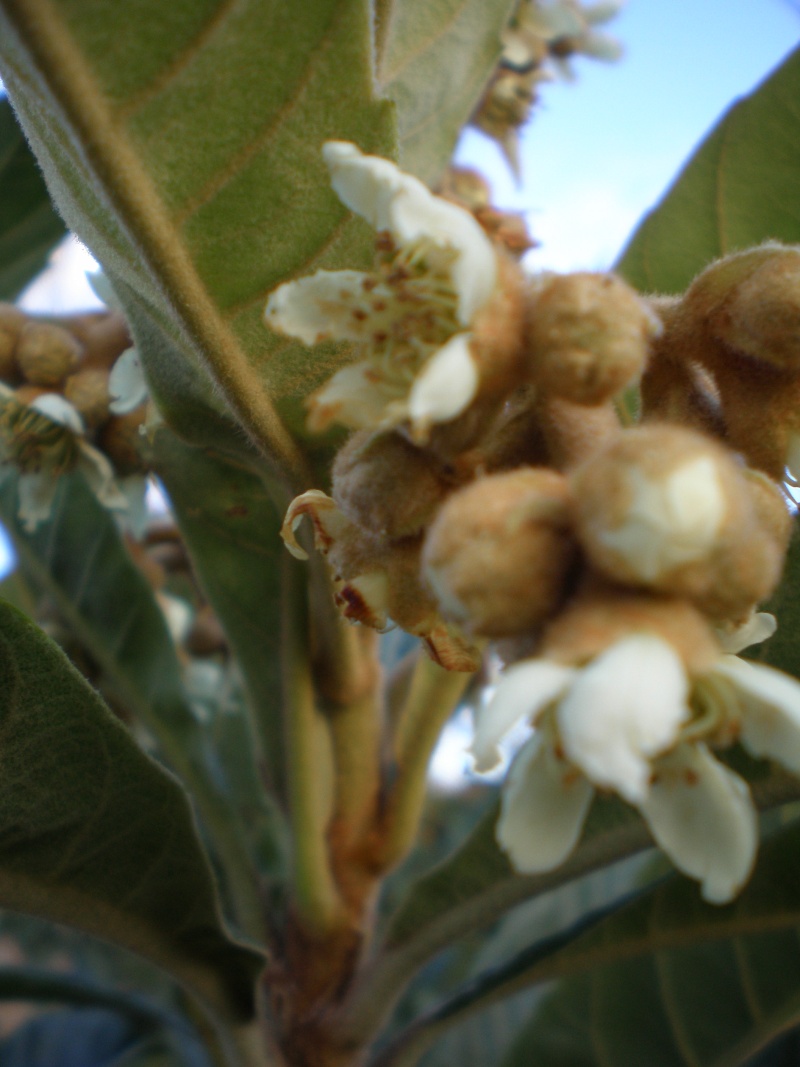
(116, 168)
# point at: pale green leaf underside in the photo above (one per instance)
(434, 58)
(95, 834)
(185, 151)
(737, 190)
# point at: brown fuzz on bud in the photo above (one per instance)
(498, 332)
(46, 354)
(588, 336)
(87, 391)
(11, 322)
(750, 301)
(499, 552)
(121, 438)
(602, 614)
(669, 510)
(104, 336)
(388, 486)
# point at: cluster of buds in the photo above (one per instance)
(542, 35)
(69, 401)
(491, 493)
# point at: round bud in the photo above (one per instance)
(46, 354)
(588, 336)
(386, 485)
(751, 302)
(498, 553)
(88, 392)
(120, 439)
(11, 322)
(667, 509)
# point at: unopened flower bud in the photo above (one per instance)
(121, 439)
(46, 354)
(750, 301)
(588, 336)
(666, 509)
(11, 322)
(498, 553)
(88, 392)
(388, 486)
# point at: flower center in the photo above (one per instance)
(33, 442)
(409, 307)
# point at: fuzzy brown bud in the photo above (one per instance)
(87, 391)
(46, 354)
(588, 336)
(498, 554)
(670, 510)
(11, 322)
(385, 484)
(121, 438)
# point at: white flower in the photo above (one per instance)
(634, 722)
(436, 271)
(44, 440)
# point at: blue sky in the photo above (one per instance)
(601, 150)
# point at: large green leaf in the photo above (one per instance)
(671, 980)
(231, 530)
(185, 152)
(29, 227)
(738, 189)
(95, 834)
(79, 559)
(433, 58)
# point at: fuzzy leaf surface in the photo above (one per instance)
(185, 152)
(738, 189)
(29, 226)
(433, 59)
(95, 834)
(670, 980)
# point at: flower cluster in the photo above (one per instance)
(71, 399)
(542, 36)
(491, 493)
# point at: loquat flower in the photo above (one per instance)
(438, 319)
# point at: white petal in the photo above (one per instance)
(59, 410)
(624, 708)
(544, 806)
(36, 493)
(136, 515)
(391, 200)
(700, 814)
(770, 703)
(444, 388)
(103, 289)
(523, 692)
(670, 521)
(319, 308)
(355, 397)
(757, 628)
(601, 46)
(126, 383)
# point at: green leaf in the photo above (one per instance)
(231, 528)
(29, 226)
(710, 984)
(185, 152)
(93, 833)
(739, 189)
(79, 559)
(433, 59)
(783, 648)
(671, 980)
